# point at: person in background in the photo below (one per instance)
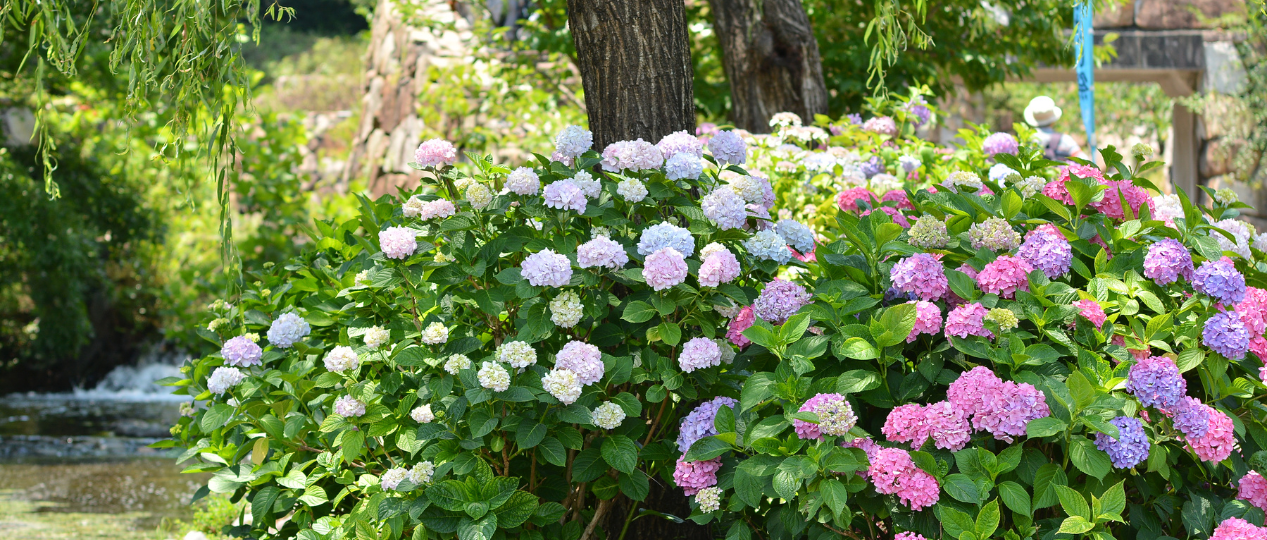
(1042, 113)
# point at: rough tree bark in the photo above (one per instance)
(635, 65)
(771, 59)
(395, 81)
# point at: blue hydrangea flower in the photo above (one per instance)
(768, 245)
(1226, 334)
(1190, 417)
(795, 234)
(1130, 448)
(699, 423)
(662, 235)
(1155, 381)
(1221, 281)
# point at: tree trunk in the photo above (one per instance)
(635, 65)
(771, 59)
(395, 81)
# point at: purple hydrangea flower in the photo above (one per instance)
(1130, 448)
(873, 166)
(1226, 334)
(565, 195)
(835, 417)
(699, 353)
(1000, 143)
(967, 320)
(1048, 252)
(1010, 409)
(1190, 417)
(241, 352)
(699, 423)
(1167, 261)
(547, 269)
(780, 300)
(1155, 381)
(921, 274)
(855, 119)
(1220, 280)
(728, 148)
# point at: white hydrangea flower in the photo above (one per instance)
(517, 353)
(589, 186)
(632, 190)
(768, 245)
(563, 385)
(728, 312)
(288, 329)
(421, 474)
(783, 119)
(362, 277)
(608, 415)
(727, 352)
(566, 309)
(393, 477)
(494, 377)
(457, 363)
(523, 181)
(749, 187)
(1169, 207)
(341, 359)
(435, 334)
(187, 409)
(412, 207)
(709, 499)
(1226, 197)
(1030, 186)
(224, 378)
(479, 195)
(376, 336)
(423, 414)
(1260, 242)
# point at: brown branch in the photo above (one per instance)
(598, 515)
(651, 432)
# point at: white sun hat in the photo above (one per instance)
(1042, 111)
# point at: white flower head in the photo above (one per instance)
(494, 377)
(518, 354)
(436, 333)
(608, 415)
(457, 363)
(376, 336)
(423, 414)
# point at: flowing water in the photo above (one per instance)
(77, 464)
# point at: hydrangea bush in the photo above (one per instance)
(508, 353)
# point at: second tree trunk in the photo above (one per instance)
(771, 60)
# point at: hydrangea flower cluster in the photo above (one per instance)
(835, 417)
(1155, 382)
(967, 320)
(638, 155)
(699, 423)
(1000, 143)
(240, 351)
(435, 334)
(1167, 261)
(709, 499)
(566, 310)
(994, 234)
(741, 321)
(349, 407)
(1225, 334)
(1253, 488)
(224, 378)
(632, 190)
(795, 234)
(516, 353)
(1238, 529)
(376, 336)
(1002, 408)
(494, 377)
(768, 246)
(1130, 447)
(435, 153)
(1047, 250)
(601, 252)
(927, 320)
(583, 359)
(944, 422)
(725, 208)
(929, 232)
(1004, 276)
(719, 266)
(546, 268)
(699, 353)
(456, 363)
(921, 274)
(894, 473)
(287, 330)
(1220, 280)
(608, 415)
(779, 300)
(666, 235)
(341, 359)
(728, 148)
(572, 141)
(665, 268)
(1091, 311)
(565, 195)
(693, 476)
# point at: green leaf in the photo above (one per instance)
(530, 433)
(987, 520)
(588, 465)
(638, 312)
(1089, 459)
(1081, 390)
(1045, 427)
(857, 380)
(707, 448)
(786, 484)
(748, 487)
(216, 417)
(553, 452)
(1011, 204)
(897, 321)
(516, 510)
(962, 488)
(855, 348)
(1075, 524)
(759, 387)
(1190, 358)
(1048, 476)
(1073, 502)
(262, 503)
(954, 521)
(469, 529)
(1113, 503)
(636, 486)
(835, 495)
(1015, 497)
(621, 452)
(671, 333)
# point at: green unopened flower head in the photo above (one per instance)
(1142, 150)
(1226, 197)
(929, 233)
(1002, 317)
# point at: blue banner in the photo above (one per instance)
(1084, 45)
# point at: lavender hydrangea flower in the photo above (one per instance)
(1190, 417)
(683, 165)
(768, 245)
(726, 209)
(241, 352)
(1167, 261)
(662, 235)
(699, 353)
(1226, 334)
(999, 143)
(565, 195)
(1155, 381)
(1048, 252)
(583, 359)
(873, 166)
(601, 252)
(664, 269)
(1008, 411)
(728, 148)
(1130, 448)
(699, 423)
(1220, 280)
(920, 274)
(547, 269)
(572, 141)
(779, 300)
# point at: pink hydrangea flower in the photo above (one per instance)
(1238, 529)
(967, 320)
(1010, 409)
(927, 319)
(1134, 196)
(1253, 488)
(631, 155)
(1253, 310)
(601, 252)
(664, 269)
(241, 352)
(899, 197)
(848, 199)
(1219, 439)
(439, 208)
(741, 322)
(398, 242)
(972, 389)
(1092, 311)
(1056, 188)
(905, 424)
(719, 267)
(921, 274)
(435, 152)
(693, 476)
(908, 535)
(893, 473)
(546, 268)
(1258, 346)
(1004, 276)
(565, 195)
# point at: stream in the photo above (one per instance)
(77, 464)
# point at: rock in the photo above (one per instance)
(1218, 157)
(194, 535)
(1118, 15)
(1176, 14)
